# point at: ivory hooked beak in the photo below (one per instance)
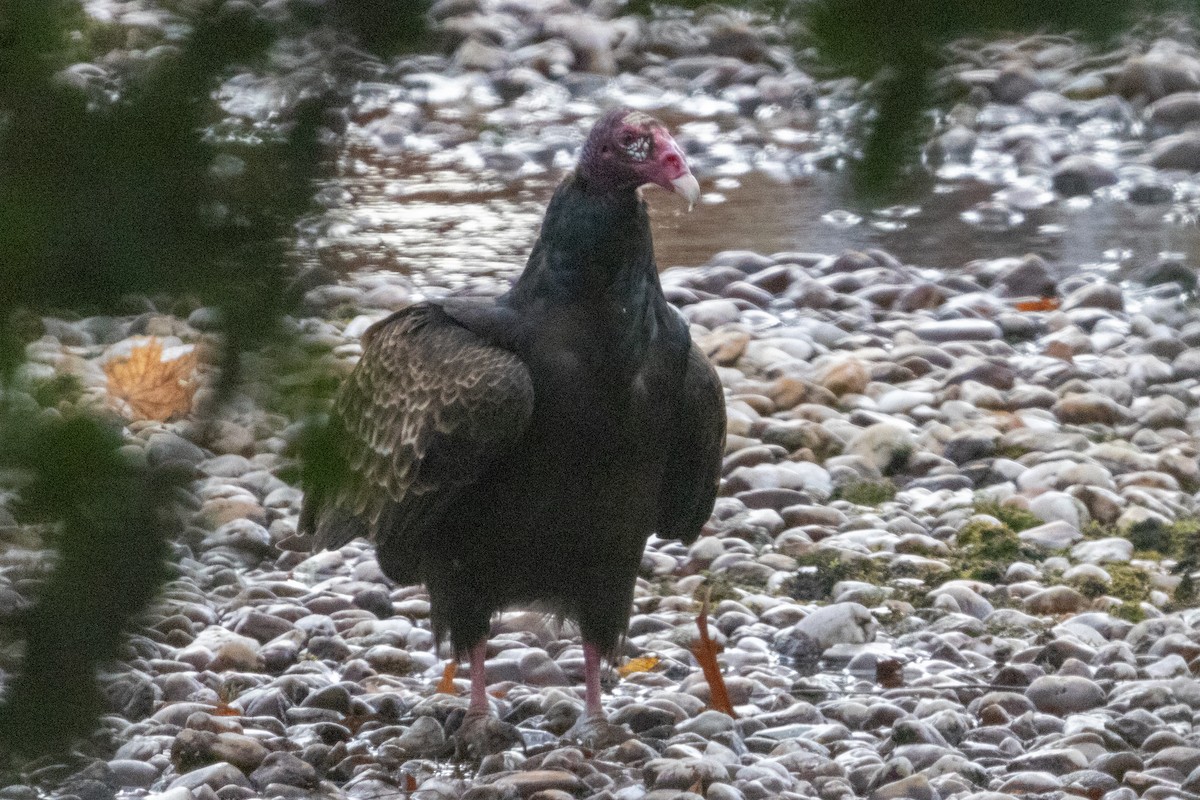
(687, 187)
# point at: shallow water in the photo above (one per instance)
(443, 226)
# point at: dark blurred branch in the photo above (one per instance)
(897, 47)
(103, 198)
(110, 517)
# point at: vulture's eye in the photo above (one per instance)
(635, 146)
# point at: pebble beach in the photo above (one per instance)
(952, 554)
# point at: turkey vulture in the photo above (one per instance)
(520, 451)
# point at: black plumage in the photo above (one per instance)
(519, 452)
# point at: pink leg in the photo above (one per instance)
(591, 680)
(479, 698)
(481, 733)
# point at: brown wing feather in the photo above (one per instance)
(694, 467)
(429, 407)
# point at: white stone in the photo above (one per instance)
(841, 623)
(1113, 550)
(1057, 535)
(901, 401)
(1171, 666)
(1057, 506)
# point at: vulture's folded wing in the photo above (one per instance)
(427, 410)
(693, 470)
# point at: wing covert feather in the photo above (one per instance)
(429, 407)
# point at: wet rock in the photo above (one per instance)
(958, 330)
(475, 54)
(287, 769)
(128, 773)
(1030, 276)
(165, 449)
(1175, 111)
(1158, 74)
(914, 787)
(1056, 600)
(840, 623)
(215, 777)
(1081, 175)
(1054, 762)
(1180, 151)
(707, 724)
(712, 313)
(684, 773)
(1062, 695)
(1095, 295)
(527, 783)
(1014, 82)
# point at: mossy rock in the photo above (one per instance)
(1186, 593)
(984, 541)
(820, 570)
(866, 493)
(1129, 583)
(59, 389)
(1016, 519)
(1179, 540)
(1130, 612)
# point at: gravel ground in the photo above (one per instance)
(951, 554)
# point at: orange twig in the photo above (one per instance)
(705, 650)
(446, 684)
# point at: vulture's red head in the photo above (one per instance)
(627, 149)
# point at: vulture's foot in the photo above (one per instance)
(482, 734)
(595, 732)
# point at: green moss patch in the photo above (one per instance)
(821, 570)
(52, 391)
(866, 493)
(1016, 519)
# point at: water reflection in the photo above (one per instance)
(442, 225)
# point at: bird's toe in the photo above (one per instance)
(595, 732)
(481, 734)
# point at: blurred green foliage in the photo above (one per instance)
(100, 201)
(110, 517)
(896, 48)
(113, 197)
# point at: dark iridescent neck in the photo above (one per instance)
(594, 246)
(595, 178)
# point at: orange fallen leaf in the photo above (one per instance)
(446, 684)
(705, 650)
(224, 709)
(1037, 304)
(150, 387)
(643, 664)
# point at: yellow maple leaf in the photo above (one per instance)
(643, 664)
(149, 387)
